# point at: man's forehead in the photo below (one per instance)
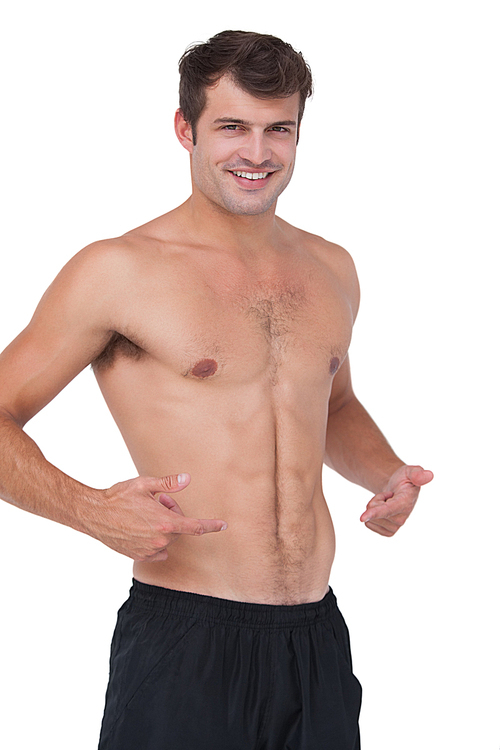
(227, 101)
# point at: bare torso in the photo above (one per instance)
(218, 334)
(223, 368)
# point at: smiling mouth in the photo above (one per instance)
(252, 175)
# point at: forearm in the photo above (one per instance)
(356, 448)
(30, 482)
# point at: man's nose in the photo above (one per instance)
(255, 149)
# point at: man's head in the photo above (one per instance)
(260, 64)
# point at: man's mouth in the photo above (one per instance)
(251, 175)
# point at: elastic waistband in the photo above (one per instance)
(162, 601)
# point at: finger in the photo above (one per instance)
(390, 509)
(379, 515)
(388, 526)
(378, 501)
(157, 557)
(168, 502)
(380, 498)
(381, 529)
(171, 483)
(196, 526)
(419, 476)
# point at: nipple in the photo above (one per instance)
(334, 365)
(204, 368)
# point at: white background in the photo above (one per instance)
(398, 162)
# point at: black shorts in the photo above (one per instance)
(191, 672)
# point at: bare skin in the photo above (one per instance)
(218, 335)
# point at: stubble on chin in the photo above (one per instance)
(248, 207)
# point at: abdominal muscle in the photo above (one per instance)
(260, 474)
(254, 452)
(258, 558)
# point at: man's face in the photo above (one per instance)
(245, 149)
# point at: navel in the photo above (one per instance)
(204, 368)
(334, 365)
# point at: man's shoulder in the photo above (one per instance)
(127, 254)
(335, 258)
(325, 251)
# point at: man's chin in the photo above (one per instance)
(254, 211)
(250, 206)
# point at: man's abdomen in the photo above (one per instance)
(274, 551)
(254, 451)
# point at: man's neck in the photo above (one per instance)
(213, 224)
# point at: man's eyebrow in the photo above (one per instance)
(237, 121)
(234, 120)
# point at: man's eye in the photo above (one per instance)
(279, 129)
(230, 127)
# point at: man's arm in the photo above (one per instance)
(70, 327)
(356, 449)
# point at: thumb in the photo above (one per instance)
(174, 482)
(170, 483)
(419, 476)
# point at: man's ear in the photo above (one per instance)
(183, 131)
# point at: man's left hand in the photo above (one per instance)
(389, 509)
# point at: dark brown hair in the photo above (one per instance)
(260, 64)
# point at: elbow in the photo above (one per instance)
(9, 415)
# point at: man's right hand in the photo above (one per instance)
(138, 519)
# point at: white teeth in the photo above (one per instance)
(252, 175)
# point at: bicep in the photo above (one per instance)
(69, 328)
(35, 367)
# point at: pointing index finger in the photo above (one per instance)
(385, 509)
(197, 526)
(394, 512)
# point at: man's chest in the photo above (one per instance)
(217, 327)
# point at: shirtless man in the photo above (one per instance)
(218, 334)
